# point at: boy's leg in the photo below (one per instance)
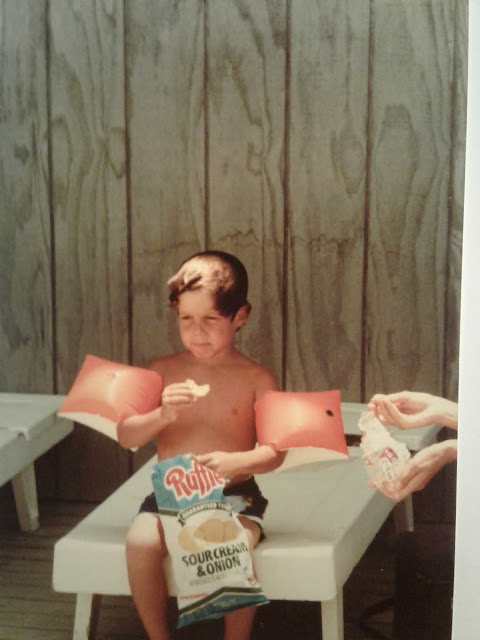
(145, 549)
(238, 624)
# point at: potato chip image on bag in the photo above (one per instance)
(211, 560)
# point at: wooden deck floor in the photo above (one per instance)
(30, 610)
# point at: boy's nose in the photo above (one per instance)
(198, 329)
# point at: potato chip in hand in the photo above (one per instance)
(199, 390)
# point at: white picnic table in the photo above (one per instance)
(29, 427)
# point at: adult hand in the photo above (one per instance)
(419, 470)
(412, 409)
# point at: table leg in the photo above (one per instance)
(86, 616)
(332, 618)
(25, 493)
(403, 516)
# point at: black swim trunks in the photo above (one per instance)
(245, 498)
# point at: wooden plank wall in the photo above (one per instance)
(321, 141)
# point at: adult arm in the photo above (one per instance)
(411, 409)
(420, 469)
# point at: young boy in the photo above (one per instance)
(209, 293)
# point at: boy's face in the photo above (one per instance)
(204, 331)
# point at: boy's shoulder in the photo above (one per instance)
(263, 376)
(241, 367)
(162, 364)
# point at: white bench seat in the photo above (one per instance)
(319, 522)
(29, 427)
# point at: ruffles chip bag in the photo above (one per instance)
(211, 560)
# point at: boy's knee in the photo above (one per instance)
(252, 530)
(145, 535)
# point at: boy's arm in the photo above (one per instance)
(241, 463)
(262, 459)
(137, 430)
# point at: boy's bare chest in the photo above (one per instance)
(222, 420)
(203, 432)
(230, 390)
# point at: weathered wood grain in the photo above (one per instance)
(88, 159)
(329, 82)
(410, 172)
(246, 102)
(457, 178)
(166, 122)
(310, 128)
(165, 98)
(25, 239)
(88, 147)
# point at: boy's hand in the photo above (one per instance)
(224, 463)
(175, 398)
(262, 459)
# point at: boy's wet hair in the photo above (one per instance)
(217, 272)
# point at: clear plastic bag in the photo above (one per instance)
(384, 456)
